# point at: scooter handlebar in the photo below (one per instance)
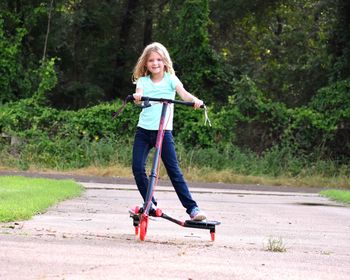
(130, 98)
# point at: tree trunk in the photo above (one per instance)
(148, 28)
(339, 44)
(47, 30)
(120, 59)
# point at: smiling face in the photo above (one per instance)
(155, 64)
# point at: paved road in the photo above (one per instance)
(91, 237)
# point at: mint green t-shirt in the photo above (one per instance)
(150, 117)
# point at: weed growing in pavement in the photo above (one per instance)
(275, 245)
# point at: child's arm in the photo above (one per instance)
(186, 96)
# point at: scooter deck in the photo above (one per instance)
(204, 223)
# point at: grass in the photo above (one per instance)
(22, 197)
(228, 176)
(337, 195)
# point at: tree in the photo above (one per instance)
(280, 45)
(19, 58)
(12, 86)
(339, 43)
(122, 55)
(195, 61)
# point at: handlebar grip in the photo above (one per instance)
(130, 98)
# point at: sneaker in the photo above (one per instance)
(197, 215)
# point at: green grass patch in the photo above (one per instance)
(337, 195)
(23, 197)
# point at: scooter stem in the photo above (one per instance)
(153, 176)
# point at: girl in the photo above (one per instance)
(155, 77)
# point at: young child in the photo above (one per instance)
(155, 77)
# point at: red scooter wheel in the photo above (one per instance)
(212, 235)
(136, 230)
(143, 227)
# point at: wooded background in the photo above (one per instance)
(274, 72)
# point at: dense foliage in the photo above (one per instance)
(275, 75)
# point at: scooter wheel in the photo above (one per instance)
(212, 235)
(136, 230)
(143, 228)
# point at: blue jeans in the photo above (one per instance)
(144, 141)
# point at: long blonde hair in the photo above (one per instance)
(140, 69)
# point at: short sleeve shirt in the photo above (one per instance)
(150, 117)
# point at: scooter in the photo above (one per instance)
(140, 215)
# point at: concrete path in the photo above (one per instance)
(92, 237)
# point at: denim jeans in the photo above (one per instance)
(144, 141)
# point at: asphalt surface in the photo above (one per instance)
(92, 236)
